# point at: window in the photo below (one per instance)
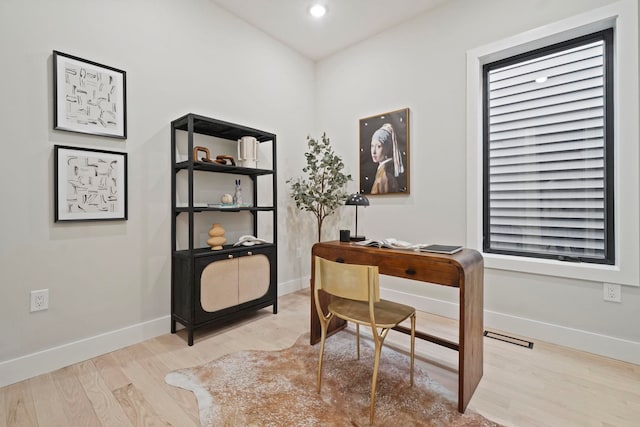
(548, 152)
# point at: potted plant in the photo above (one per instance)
(322, 191)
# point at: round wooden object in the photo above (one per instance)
(217, 237)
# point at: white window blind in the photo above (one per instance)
(546, 155)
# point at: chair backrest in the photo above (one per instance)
(350, 281)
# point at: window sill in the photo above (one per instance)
(570, 270)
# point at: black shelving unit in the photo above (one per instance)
(193, 286)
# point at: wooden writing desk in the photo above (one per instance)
(463, 270)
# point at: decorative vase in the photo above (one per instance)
(247, 152)
(237, 196)
(217, 238)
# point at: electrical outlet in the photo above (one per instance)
(39, 300)
(612, 292)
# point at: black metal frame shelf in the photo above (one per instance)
(180, 209)
(219, 128)
(214, 167)
(187, 263)
(227, 249)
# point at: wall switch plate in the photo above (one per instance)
(612, 292)
(39, 300)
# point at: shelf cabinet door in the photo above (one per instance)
(219, 285)
(253, 277)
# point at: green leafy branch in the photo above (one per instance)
(323, 190)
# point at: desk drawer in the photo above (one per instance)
(409, 265)
(441, 273)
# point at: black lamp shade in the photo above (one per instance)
(357, 199)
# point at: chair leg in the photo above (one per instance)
(320, 361)
(413, 344)
(323, 336)
(374, 380)
(358, 339)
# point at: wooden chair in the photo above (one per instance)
(356, 293)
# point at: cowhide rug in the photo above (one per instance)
(278, 388)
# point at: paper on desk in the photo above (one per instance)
(390, 243)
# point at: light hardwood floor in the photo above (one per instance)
(548, 385)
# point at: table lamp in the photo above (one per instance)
(357, 199)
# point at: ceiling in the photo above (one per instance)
(346, 22)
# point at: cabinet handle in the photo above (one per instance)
(410, 271)
(229, 256)
(249, 253)
(340, 260)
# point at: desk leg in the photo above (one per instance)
(470, 357)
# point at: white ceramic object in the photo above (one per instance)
(248, 152)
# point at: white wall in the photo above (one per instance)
(113, 278)
(421, 65)
(109, 282)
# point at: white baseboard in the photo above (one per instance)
(293, 286)
(21, 368)
(24, 367)
(603, 345)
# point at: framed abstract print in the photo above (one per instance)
(89, 97)
(89, 185)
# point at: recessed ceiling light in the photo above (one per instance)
(318, 10)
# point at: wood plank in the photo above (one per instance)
(138, 410)
(47, 402)
(3, 407)
(174, 400)
(172, 405)
(75, 403)
(170, 349)
(110, 371)
(19, 407)
(105, 405)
